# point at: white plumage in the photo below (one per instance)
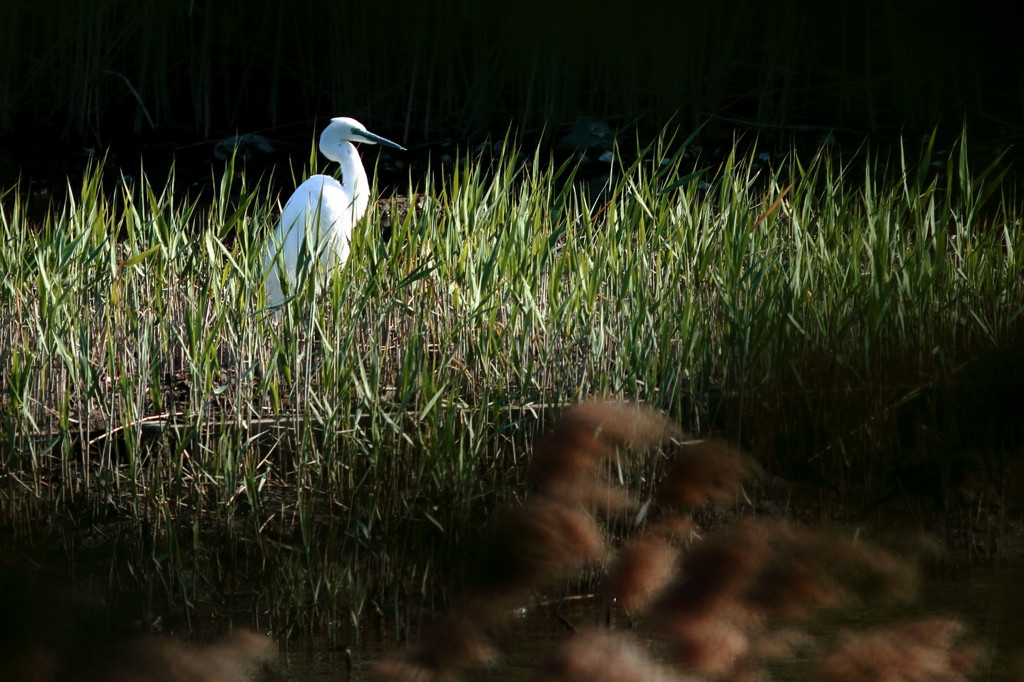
(319, 216)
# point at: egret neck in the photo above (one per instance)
(353, 178)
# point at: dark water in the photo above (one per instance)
(989, 601)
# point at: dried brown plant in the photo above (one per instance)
(401, 671)
(775, 645)
(547, 539)
(930, 650)
(716, 643)
(51, 634)
(595, 655)
(458, 639)
(674, 527)
(804, 570)
(714, 612)
(714, 607)
(705, 472)
(713, 578)
(566, 458)
(641, 571)
(235, 658)
(544, 541)
(702, 613)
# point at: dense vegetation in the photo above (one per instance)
(298, 460)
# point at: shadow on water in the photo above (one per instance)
(989, 601)
(51, 633)
(681, 581)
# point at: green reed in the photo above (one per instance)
(320, 461)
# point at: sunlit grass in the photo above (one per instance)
(324, 459)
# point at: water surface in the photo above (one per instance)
(989, 600)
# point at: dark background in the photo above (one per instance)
(142, 77)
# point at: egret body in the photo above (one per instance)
(321, 213)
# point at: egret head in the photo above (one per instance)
(342, 130)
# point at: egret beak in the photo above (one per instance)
(377, 139)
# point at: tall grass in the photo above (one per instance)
(325, 462)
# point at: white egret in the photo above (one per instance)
(321, 213)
